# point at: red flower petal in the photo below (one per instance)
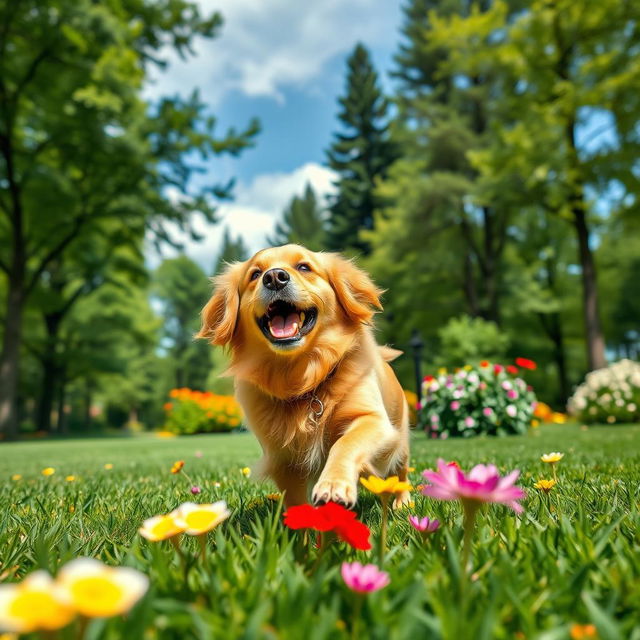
(525, 363)
(355, 533)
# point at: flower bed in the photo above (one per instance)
(485, 399)
(609, 395)
(201, 412)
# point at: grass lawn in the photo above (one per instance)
(573, 557)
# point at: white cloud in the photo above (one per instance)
(266, 46)
(253, 214)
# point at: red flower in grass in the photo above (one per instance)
(512, 370)
(525, 363)
(484, 363)
(497, 368)
(330, 517)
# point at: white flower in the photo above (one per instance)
(511, 410)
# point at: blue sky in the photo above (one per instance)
(283, 61)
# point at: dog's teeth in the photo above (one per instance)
(302, 318)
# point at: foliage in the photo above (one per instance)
(360, 155)
(576, 546)
(609, 395)
(302, 223)
(191, 412)
(232, 250)
(467, 339)
(482, 399)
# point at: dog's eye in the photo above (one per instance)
(255, 275)
(303, 266)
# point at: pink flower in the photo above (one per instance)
(424, 525)
(469, 422)
(488, 411)
(364, 579)
(511, 410)
(482, 386)
(455, 405)
(512, 394)
(195, 489)
(482, 484)
(506, 385)
(435, 418)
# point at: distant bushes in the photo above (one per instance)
(609, 395)
(201, 412)
(487, 398)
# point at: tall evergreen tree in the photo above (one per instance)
(302, 223)
(232, 250)
(360, 155)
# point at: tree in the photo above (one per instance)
(182, 288)
(302, 223)
(360, 155)
(557, 78)
(232, 250)
(87, 148)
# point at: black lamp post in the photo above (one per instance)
(417, 344)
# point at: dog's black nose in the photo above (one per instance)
(275, 279)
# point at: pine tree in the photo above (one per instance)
(360, 155)
(232, 250)
(302, 223)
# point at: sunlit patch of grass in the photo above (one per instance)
(573, 557)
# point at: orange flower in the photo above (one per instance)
(583, 631)
(484, 363)
(177, 466)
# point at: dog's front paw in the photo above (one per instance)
(402, 500)
(335, 490)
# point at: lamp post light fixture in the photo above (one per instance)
(417, 344)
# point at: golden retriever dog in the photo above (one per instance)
(316, 389)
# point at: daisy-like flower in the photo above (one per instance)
(16, 476)
(482, 484)
(97, 591)
(424, 525)
(177, 466)
(197, 519)
(363, 578)
(545, 485)
(246, 472)
(33, 605)
(70, 478)
(48, 471)
(160, 527)
(108, 466)
(552, 458)
(390, 485)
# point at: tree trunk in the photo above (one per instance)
(557, 337)
(88, 397)
(62, 424)
(50, 371)
(10, 358)
(596, 357)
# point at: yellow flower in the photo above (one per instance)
(442, 371)
(70, 478)
(558, 418)
(16, 477)
(467, 367)
(108, 466)
(196, 519)
(33, 605)
(49, 471)
(177, 466)
(583, 631)
(160, 527)
(387, 485)
(246, 472)
(97, 591)
(535, 423)
(553, 457)
(411, 469)
(545, 485)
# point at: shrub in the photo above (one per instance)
(609, 395)
(467, 339)
(483, 399)
(201, 412)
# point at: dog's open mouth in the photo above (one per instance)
(284, 323)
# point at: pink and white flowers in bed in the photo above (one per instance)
(486, 398)
(482, 484)
(363, 578)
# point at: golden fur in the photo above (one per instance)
(363, 427)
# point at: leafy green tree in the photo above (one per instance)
(360, 155)
(86, 147)
(302, 223)
(232, 250)
(558, 57)
(183, 289)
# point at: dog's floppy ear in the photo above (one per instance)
(220, 314)
(355, 291)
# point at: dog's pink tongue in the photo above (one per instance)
(285, 327)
